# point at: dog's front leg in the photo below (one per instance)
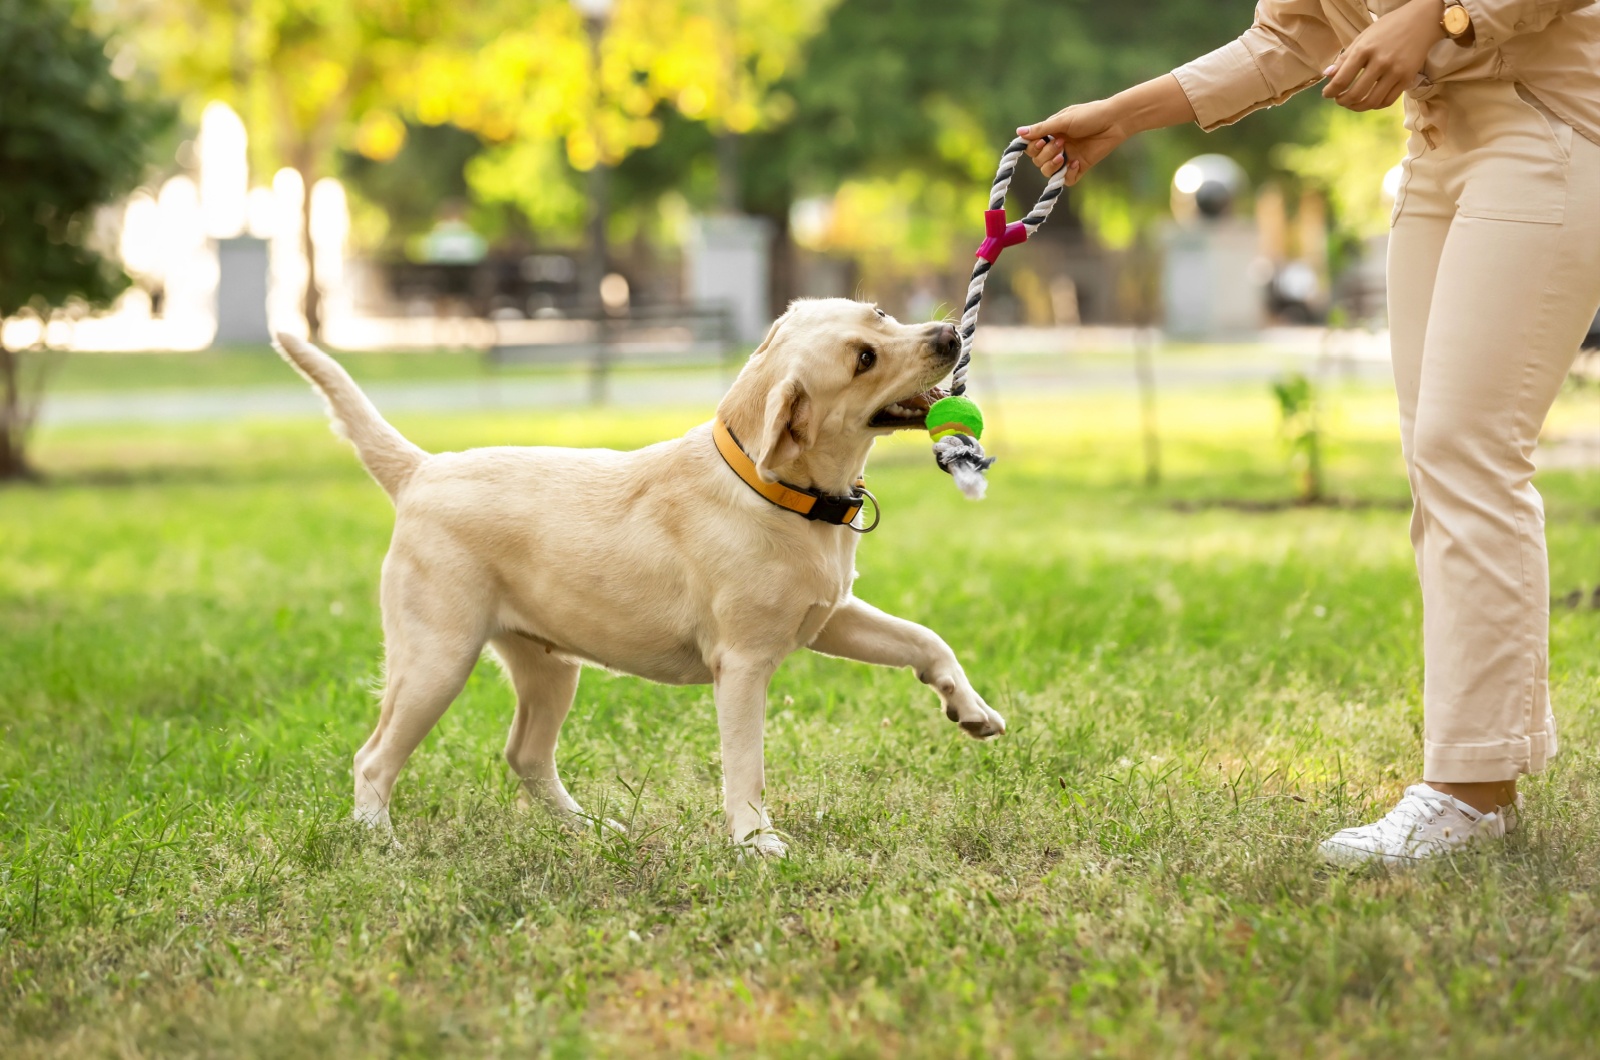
(857, 630)
(741, 692)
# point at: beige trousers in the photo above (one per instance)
(1494, 274)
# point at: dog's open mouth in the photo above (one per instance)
(907, 414)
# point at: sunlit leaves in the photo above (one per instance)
(1349, 161)
(543, 78)
(552, 100)
(893, 223)
(308, 76)
(529, 174)
(380, 135)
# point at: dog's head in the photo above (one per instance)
(830, 377)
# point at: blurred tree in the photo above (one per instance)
(895, 108)
(307, 76)
(898, 106)
(1349, 158)
(909, 102)
(313, 76)
(551, 112)
(396, 200)
(72, 137)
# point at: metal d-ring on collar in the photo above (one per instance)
(877, 511)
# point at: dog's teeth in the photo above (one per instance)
(903, 410)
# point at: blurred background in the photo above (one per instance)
(594, 185)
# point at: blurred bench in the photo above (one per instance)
(650, 334)
(602, 339)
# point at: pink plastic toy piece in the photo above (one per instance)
(999, 235)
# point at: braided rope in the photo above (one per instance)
(961, 454)
(980, 270)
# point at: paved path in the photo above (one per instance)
(1018, 375)
(295, 401)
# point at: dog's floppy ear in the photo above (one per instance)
(788, 428)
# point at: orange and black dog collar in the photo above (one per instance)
(802, 500)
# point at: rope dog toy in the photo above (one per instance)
(955, 422)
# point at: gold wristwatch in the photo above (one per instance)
(1457, 23)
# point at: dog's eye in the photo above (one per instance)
(866, 359)
(880, 313)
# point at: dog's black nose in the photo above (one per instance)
(946, 341)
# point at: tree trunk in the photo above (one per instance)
(782, 279)
(14, 420)
(313, 296)
(727, 158)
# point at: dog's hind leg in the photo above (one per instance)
(546, 684)
(429, 656)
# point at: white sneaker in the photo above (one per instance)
(1426, 823)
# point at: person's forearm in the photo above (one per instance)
(1155, 104)
(1079, 136)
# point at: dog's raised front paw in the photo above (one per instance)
(977, 719)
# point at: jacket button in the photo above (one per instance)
(1521, 25)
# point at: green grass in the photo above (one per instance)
(189, 643)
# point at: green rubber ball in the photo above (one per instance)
(956, 414)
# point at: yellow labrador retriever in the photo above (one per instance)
(708, 558)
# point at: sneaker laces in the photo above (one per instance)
(1420, 805)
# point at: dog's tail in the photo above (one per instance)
(388, 456)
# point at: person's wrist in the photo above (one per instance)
(1121, 115)
(1430, 19)
(1466, 37)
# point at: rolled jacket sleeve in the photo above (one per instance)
(1286, 50)
(1495, 21)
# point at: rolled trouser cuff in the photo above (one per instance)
(1486, 763)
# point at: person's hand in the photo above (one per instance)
(1386, 58)
(1077, 137)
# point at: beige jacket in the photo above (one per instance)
(1551, 47)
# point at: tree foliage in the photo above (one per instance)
(313, 77)
(308, 76)
(1349, 159)
(896, 107)
(552, 106)
(396, 195)
(72, 138)
(902, 98)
